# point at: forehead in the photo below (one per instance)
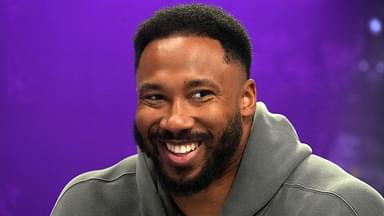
(185, 57)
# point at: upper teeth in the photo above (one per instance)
(183, 148)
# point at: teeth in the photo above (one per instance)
(181, 149)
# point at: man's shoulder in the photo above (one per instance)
(328, 186)
(92, 190)
(125, 167)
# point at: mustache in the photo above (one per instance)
(182, 135)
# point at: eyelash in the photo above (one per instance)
(154, 97)
(204, 93)
(153, 100)
(157, 99)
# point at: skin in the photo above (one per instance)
(184, 83)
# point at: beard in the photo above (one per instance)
(218, 156)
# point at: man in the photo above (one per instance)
(206, 146)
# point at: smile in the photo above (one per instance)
(182, 152)
(182, 148)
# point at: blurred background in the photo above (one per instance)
(67, 90)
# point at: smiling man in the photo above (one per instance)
(206, 147)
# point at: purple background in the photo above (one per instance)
(67, 90)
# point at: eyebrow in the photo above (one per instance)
(200, 82)
(149, 87)
(188, 85)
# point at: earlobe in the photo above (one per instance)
(248, 99)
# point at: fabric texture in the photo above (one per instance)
(278, 175)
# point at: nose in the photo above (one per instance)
(178, 118)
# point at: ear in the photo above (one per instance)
(248, 98)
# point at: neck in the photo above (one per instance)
(210, 201)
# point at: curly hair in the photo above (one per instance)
(199, 20)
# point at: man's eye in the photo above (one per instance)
(153, 99)
(202, 95)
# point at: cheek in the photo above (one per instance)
(215, 116)
(145, 118)
(143, 122)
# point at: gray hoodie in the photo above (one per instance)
(278, 176)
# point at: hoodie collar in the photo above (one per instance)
(273, 151)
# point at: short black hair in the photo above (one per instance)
(200, 20)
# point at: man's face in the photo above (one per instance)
(188, 117)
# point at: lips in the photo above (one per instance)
(182, 153)
(182, 148)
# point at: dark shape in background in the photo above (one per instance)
(67, 85)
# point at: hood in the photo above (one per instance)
(273, 151)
